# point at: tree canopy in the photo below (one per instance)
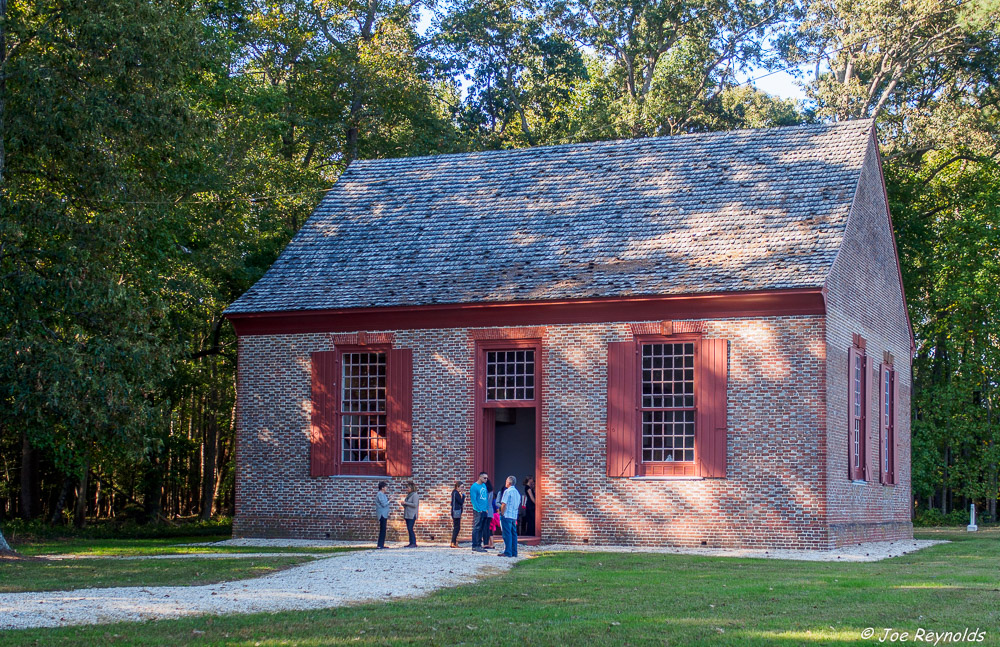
(157, 155)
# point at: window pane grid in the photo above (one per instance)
(510, 374)
(363, 407)
(668, 414)
(856, 437)
(667, 376)
(668, 436)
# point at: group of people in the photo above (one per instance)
(507, 509)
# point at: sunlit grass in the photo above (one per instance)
(619, 599)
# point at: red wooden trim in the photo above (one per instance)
(484, 423)
(623, 427)
(895, 439)
(669, 468)
(357, 468)
(399, 412)
(895, 248)
(711, 424)
(857, 351)
(851, 399)
(764, 303)
(512, 334)
(323, 432)
(887, 432)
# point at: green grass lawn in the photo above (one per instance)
(137, 547)
(621, 599)
(62, 575)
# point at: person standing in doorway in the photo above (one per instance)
(480, 506)
(381, 512)
(457, 505)
(492, 508)
(510, 503)
(528, 504)
(411, 506)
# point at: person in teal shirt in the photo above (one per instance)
(481, 512)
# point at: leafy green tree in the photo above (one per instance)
(94, 97)
(521, 77)
(671, 62)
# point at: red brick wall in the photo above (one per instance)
(774, 494)
(864, 297)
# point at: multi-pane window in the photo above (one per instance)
(888, 425)
(363, 407)
(667, 406)
(858, 419)
(510, 374)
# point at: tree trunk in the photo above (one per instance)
(210, 452)
(30, 496)
(57, 509)
(80, 511)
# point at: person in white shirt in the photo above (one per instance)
(510, 503)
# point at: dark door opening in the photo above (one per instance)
(514, 454)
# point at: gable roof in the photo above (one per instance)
(731, 211)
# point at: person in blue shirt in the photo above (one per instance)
(510, 503)
(481, 512)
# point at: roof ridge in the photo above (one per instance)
(715, 134)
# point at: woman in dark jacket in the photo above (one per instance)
(528, 510)
(457, 504)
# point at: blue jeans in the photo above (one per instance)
(480, 529)
(509, 529)
(409, 531)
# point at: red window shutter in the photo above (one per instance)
(894, 389)
(399, 405)
(623, 400)
(323, 454)
(852, 472)
(871, 403)
(883, 429)
(711, 398)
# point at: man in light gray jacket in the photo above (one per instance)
(382, 511)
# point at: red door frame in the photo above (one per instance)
(484, 439)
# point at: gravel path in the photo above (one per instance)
(357, 576)
(867, 552)
(344, 578)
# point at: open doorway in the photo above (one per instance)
(514, 454)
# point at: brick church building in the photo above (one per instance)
(694, 340)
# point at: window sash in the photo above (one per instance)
(668, 441)
(362, 415)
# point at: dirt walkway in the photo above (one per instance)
(357, 576)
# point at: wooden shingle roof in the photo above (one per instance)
(721, 212)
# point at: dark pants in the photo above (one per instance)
(527, 521)
(509, 527)
(381, 531)
(409, 531)
(480, 529)
(456, 526)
